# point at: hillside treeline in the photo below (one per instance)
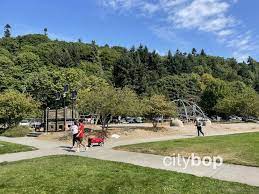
(38, 66)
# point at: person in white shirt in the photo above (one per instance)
(74, 130)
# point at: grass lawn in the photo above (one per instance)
(74, 174)
(6, 147)
(17, 131)
(236, 149)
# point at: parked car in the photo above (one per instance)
(235, 118)
(35, 124)
(250, 119)
(130, 119)
(123, 120)
(24, 123)
(139, 120)
(215, 118)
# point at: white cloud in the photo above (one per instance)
(210, 16)
(121, 4)
(207, 15)
(150, 8)
(167, 33)
(243, 45)
(168, 5)
(224, 33)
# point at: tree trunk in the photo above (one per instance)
(162, 120)
(104, 118)
(154, 124)
(108, 122)
(97, 119)
(104, 127)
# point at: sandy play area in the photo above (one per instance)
(145, 131)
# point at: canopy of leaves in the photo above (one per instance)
(106, 101)
(158, 105)
(242, 101)
(233, 98)
(16, 106)
(40, 66)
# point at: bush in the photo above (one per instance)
(17, 131)
(15, 106)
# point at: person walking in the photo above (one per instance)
(74, 130)
(81, 136)
(199, 127)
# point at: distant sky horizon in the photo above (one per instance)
(227, 28)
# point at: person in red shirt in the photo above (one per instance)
(81, 135)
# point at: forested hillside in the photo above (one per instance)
(39, 66)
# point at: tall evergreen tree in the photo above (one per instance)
(45, 31)
(202, 52)
(169, 62)
(7, 31)
(194, 52)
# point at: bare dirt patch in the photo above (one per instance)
(145, 131)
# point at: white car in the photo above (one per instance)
(24, 123)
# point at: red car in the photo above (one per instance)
(95, 141)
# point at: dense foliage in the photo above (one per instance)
(106, 102)
(158, 106)
(15, 106)
(36, 65)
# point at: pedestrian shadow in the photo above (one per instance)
(67, 148)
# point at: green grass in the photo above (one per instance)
(6, 147)
(236, 149)
(74, 174)
(18, 131)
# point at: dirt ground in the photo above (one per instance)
(145, 130)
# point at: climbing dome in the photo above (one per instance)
(189, 111)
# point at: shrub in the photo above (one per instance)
(15, 106)
(17, 131)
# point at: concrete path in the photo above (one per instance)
(228, 172)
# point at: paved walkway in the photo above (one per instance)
(228, 172)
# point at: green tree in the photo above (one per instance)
(194, 52)
(29, 62)
(7, 31)
(11, 75)
(107, 101)
(91, 68)
(185, 86)
(122, 71)
(32, 40)
(44, 84)
(94, 54)
(10, 44)
(159, 106)
(15, 106)
(5, 53)
(91, 82)
(215, 91)
(45, 31)
(202, 52)
(241, 101)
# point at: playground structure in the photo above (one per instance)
(189, 111)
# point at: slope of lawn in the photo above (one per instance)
(73, 174)
(6, 147)
(236, 149)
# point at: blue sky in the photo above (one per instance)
(226, 28)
